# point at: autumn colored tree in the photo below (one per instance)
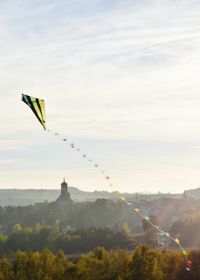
(145, 264)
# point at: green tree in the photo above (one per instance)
(6, 270)
(145, 264)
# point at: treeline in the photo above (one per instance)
(144, 264)
(72, 242)
(108, 214)
(102, 213)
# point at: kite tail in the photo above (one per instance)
(76, 148)
(84, 156)
(188, 261)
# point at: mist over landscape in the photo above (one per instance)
(16, 197)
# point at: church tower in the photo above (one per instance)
(64, 195)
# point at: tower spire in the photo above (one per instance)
(64, 195)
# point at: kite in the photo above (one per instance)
(37, 106)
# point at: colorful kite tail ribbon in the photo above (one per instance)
(77, 149)
(148, 220)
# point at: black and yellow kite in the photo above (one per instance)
(37, 106)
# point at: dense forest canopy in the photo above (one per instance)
(178, 216)
(144, 263)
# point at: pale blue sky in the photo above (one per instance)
(119, 78)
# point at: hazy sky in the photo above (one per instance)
(121, 78)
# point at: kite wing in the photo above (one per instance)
(37, 106)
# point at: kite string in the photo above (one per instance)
(136, 210)
(84, 156)
(147, 219)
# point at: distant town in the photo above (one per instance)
(14, 196)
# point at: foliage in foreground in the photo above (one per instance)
(144, 264)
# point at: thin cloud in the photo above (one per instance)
(107, 71)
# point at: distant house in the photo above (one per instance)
(64, 195)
